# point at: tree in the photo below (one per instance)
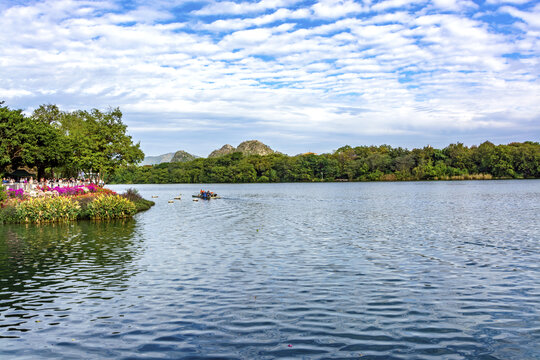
(99, 142)
(11, 139)
(29, 142)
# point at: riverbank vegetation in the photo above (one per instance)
(361, 163)
(45, 205)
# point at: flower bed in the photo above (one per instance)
(67, 204)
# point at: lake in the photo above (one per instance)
(407, 270)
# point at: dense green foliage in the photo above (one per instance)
(65, 142)
(47, 209)
(3, 194)
(362, 163)
(110, 207)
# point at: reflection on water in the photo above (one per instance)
(40, 265)
(419, 270)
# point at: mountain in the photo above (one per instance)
(254, 147)
(251, 147)
(225, 150)
(158, 159)
(182, 156)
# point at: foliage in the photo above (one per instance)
(110, 207)
(99, 142)
(47, 209)
(3, 194)
(141, 204)
(362, 163)
(8, 214)
(51, 139)
(24, 141)
(132, 194)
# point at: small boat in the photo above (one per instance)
(177, 198)
(200, 196)
(171, 201)
(154, 196)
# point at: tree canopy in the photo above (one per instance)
(66, 142)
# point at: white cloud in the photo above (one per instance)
(518, 2)
(236, 8)
(532, 18)
(454, 5)
(392, 4)
(242, 23)
(414, 70)
(337, 8)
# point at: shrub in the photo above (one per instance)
(132, 194)
(110, 207)
(84, 201)
(47, 209)
(3, 194)
(141, 204)
(8, 214)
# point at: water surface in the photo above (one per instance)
(416, 270)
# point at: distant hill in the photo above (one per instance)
(225, 150)
(182, 156)
(250, 147)
(153, 160)
(179, 156)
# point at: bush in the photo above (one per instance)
(8, 214)
(84, 201)
(47, 209)
(3, 194)
(143, 204)
(110, 207)
(132, 195)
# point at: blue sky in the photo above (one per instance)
(298, 75)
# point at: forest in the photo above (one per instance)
(360, 163)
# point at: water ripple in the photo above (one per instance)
(372, 271)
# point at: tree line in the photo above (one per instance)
(361, 163)
(59, 143)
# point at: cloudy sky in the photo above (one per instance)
(298, 75)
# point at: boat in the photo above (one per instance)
(200, 196)
(215, 196)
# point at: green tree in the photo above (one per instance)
(99, 142)
(30, 141)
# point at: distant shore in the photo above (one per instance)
(362, 163)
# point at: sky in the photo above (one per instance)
(297, 75)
